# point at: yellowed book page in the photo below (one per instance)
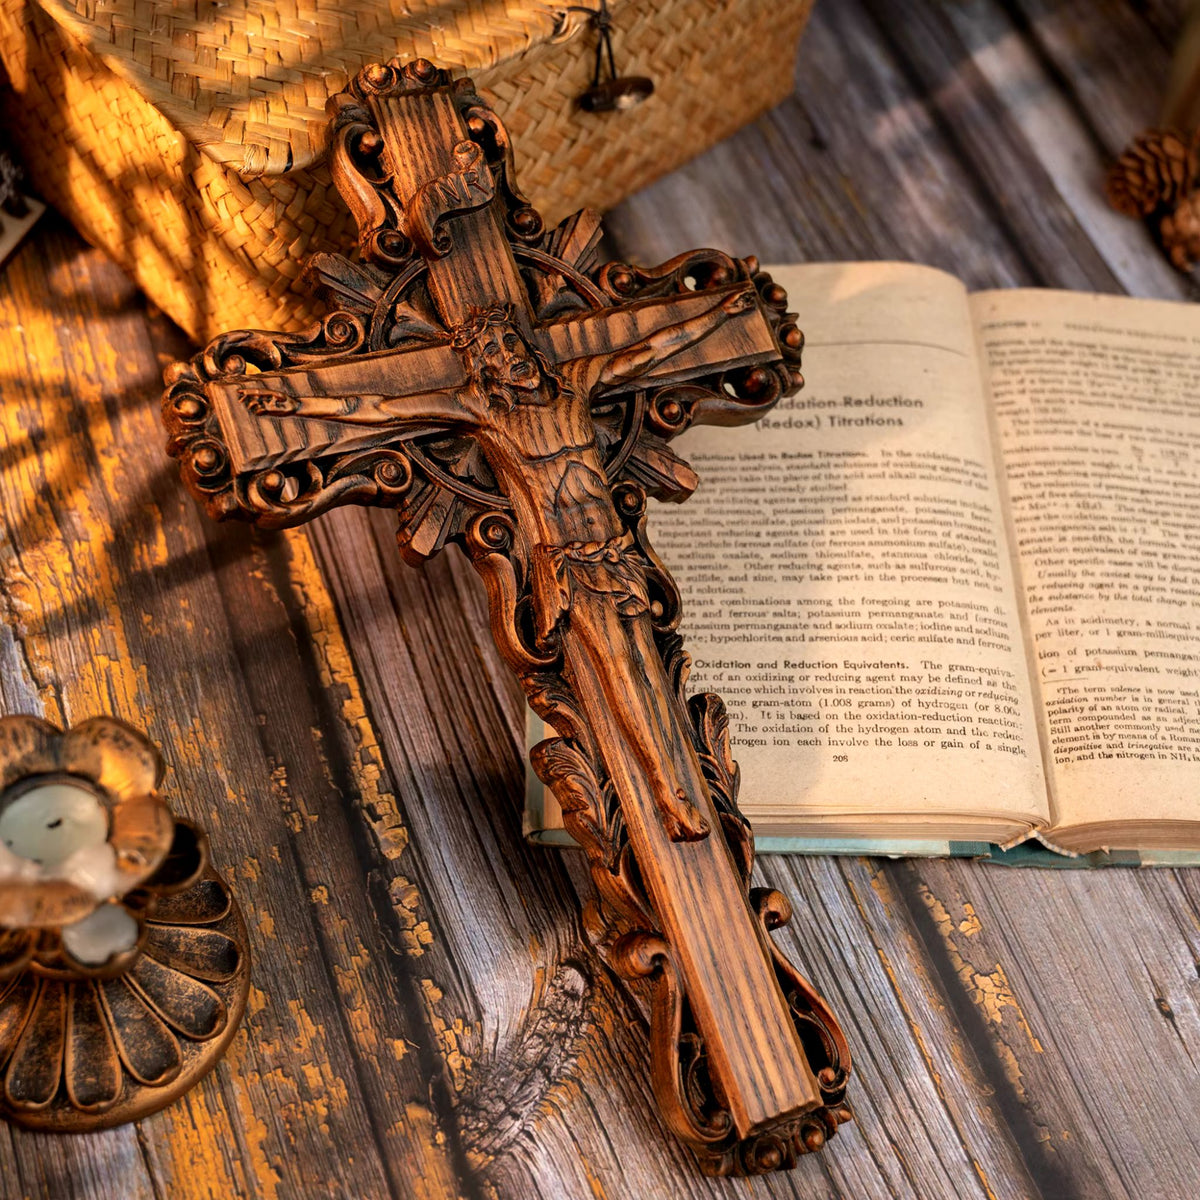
(1097, 401)
(847, 587)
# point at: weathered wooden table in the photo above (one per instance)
(427, 1019)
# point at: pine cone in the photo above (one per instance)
(1179, 232)
(1157, 171)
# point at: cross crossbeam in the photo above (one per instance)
(417, 382)
(488, 380)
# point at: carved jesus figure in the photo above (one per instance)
(534, 426)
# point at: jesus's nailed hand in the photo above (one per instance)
(739, 302)
(268, 403)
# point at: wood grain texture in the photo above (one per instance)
(114, 606)
(1017, 1034)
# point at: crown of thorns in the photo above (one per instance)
(478, 321)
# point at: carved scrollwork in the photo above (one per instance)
(489, 544)
(400, 77)
(355, 162)
(233, 353)
(823, 1039)
(287, 494)
(389, 231)
(568, 764)
(732, 397)
(683, 1087)
(665, 601)
(523, 222)
(589, 802)
(723, 776)
(694, 271)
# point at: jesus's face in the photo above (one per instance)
(506, 358)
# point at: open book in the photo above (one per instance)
(950, 592)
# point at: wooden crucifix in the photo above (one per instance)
(488, 380)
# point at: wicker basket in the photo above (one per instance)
(186, 138)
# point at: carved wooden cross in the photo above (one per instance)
(481, 376)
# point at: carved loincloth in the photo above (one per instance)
(612, 569)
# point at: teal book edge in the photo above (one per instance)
(1031, 853)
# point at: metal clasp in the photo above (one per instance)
(609, 91)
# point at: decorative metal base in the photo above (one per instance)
(83, 1054)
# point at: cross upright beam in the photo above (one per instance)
(422, 130)
(485, 378)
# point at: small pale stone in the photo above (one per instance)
(50, 823)
(107, 931)
(93, 868)
(15, 869)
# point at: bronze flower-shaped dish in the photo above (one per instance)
(123, 961)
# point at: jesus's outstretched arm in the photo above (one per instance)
(634, 361)
(419, 409)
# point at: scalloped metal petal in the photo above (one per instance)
(146, 1046)
(141, 831)
(35, 1068)
(200, 953)
(48, 903)
(16, 950)
(187, 1005)
(28, 746)
(16, 999)
(185, 862)
(205, 904)
(118, 757)
(91, 1067)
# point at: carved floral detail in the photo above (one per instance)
(121, 769)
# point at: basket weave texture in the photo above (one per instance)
(187, 137)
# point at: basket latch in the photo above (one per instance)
(609, 91)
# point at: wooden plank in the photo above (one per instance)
(33, 1166)
(990, 110)
(1060, 983)
(1078, 84)
(1164, 17)
(116, 602)
(926, 1125)
(1109, 61)
(853, 165)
